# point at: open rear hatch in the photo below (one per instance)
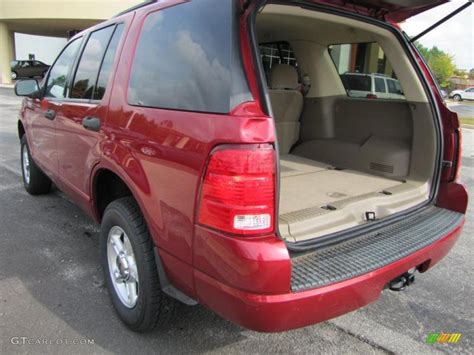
(388, 10)
(346, 160)
(351, 152)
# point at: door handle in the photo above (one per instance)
(50, 114)
(91, 123)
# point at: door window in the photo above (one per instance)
(107, 63)
(89, 64)
(57, 80)
(380, 85)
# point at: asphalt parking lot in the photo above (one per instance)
(464, 109)
(51, 288)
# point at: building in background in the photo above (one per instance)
(56, 18)
(461, 83)
(361, 58)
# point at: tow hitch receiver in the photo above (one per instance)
(402, 282)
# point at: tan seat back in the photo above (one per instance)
(287, 104)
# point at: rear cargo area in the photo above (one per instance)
(300, 176)
(318, 199)
(307, 183)
(348, 155)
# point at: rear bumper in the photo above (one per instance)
(280, 312)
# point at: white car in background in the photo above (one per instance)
(459, 95)
(372, 86)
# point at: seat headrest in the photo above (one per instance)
(283, 76)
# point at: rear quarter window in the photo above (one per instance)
(356, 82)
(358, 64)
(188, 58)
(394, 87)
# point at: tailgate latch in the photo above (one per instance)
(370, 216)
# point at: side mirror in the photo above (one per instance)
(26, 87)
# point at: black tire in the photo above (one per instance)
(457, 97)
(152, 306)
(37, 183)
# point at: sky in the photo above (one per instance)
(456, 36)
(45, 49)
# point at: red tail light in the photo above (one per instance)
(371, 96)
(238, 191)
(453, 154)
(450, 126)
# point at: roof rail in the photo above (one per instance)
(136, 7)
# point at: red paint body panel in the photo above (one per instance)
(78, 149)
(274, 313)
(258, 265)
(43, 146)
(161, 156)
(451, 195)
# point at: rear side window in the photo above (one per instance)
(188, 58)
(358, 63)
(58, 75)
(89, 63)
(380, 85)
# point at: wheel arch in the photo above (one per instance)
(21, 129)
(107, 186)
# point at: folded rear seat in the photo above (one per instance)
(365, 138)
(387, 157)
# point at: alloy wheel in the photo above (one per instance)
(122, 266)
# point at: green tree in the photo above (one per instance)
(425, 52)
(443, 68)
(441, 63)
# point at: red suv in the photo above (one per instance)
(228, 165)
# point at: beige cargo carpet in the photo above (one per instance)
(307, 183)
